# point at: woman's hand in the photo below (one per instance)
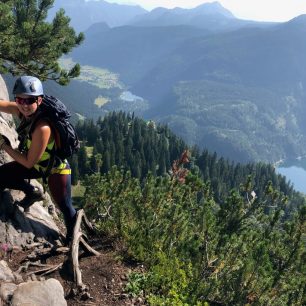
(9, 107)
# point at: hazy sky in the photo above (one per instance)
(264, 10)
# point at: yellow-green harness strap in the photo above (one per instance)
(61, 169)
(46, 159)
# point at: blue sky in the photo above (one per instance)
(263, 10)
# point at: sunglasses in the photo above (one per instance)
(25, 101)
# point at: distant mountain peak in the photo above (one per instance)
(158, 10)
(213, 8)
(215, 4)
(210, 8)
(301, 19)
(97, 28)
(296, 24)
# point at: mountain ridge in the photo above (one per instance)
(213, 8)
(95, 11)
(212, 16)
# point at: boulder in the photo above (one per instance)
(34, 293)
(7, 291)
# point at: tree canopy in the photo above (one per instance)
(29, 44)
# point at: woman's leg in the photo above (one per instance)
(15, 176)
(60, 188)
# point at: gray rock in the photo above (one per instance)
(45, 293)
(3, 90)
(6, 123)
(19, 228)
(18, 278)
(6, 274)
(7, 291)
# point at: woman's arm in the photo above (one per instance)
(9, 107)
(40, 139)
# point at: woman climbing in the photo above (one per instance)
(34, 157)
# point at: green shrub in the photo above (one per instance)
(196, 251)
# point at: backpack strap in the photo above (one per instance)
(26, 128)
(23, 130)
(53, 156)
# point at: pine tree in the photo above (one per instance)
(95, 162)
(99, 147)
(29, 44)
(82, 160)
(74, 170)
(106, 163)
(92, 132)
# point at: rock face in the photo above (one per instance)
(6, 123)
(16, 227)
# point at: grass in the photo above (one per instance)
(77, 195)
(89, 151)
(78, 190)
(99, 77)
(100, 101)
(80, 117)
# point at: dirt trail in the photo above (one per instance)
(105, 276)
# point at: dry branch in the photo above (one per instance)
(89, 248)
(78, 239)
(74, 254)
(28, 264)
(47, 269)
(54, 268)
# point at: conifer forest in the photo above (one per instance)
(208, 231)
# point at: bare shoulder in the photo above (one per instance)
(43, 126)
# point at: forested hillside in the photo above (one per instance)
(142, 147)
(205, 231)
(240, 93)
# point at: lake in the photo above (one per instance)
(129, 97)
(295, 171)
